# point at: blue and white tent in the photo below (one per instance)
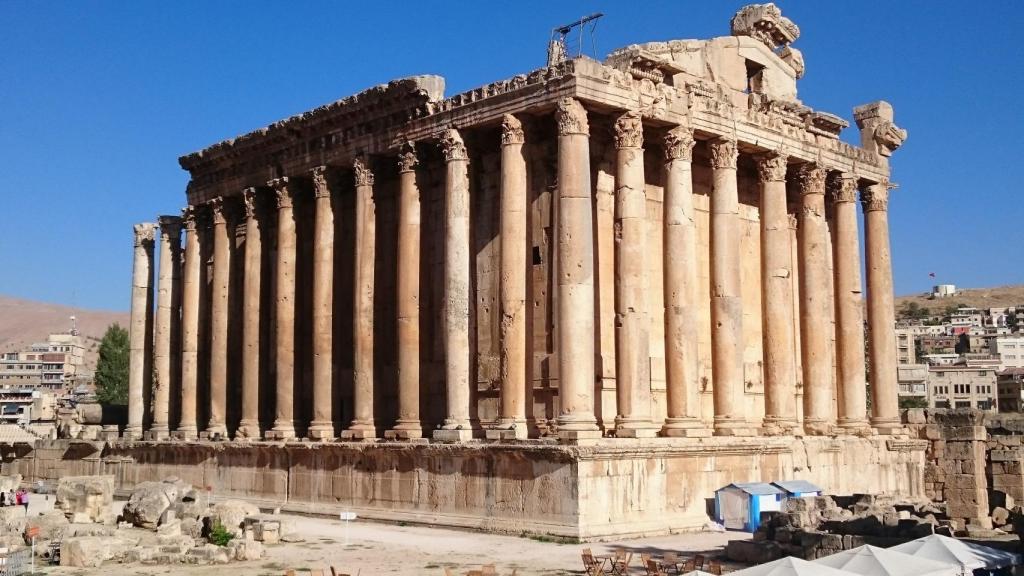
(798, 488)
(738, 506)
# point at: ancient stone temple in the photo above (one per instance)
(575, 301)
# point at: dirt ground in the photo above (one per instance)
(374, 548)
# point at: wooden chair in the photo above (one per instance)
(670, 562)
(654, 568)
(620, 562)
(715, 567)
(688, 566)
(593, 566)
(488, 570)
(698, 562)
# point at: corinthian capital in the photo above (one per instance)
(875, 197)
(679, 144)
(283, 192)
(170, 226)
(249, 198)
(188, 217)
(145, 232)
(841, 187)
(452, 145)
(723, 152)
(771, 167)
(511, 130)
(217, 208)
(812, 178)
(407, 160)
(361, 170)
(321, 186)
(629, 130)
(572, 117)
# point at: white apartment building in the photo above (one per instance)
(1009, 349)
(53, 364)
(962, 387)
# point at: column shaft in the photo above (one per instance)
(408, 424)
(881, 309)
(362, 426)
(679, 254)
(777, 298)
(575, 276)
(632, 326)
(848, 304)
(249, 427)
(322, 426)
(814, 302)
(141, 330)
(515, 366)
(456, 289)
(187, 425)
(219, 311)
(168, 300)
(284, 311)
(726, 302)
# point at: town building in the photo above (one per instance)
(1010, 382)
(55, 364)
(962, 387)
(25, 406)
(943, 290)
(496, 308)
(906, 346)
(1009, 350)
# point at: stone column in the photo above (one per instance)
(284, 310)
(848, 304)
(881, 309)
(575, 276)
(219, 311)
(456, 289)
(726, 304)
(322, 426)
(187, 425)
(167, 303)
(777, 298)
(680, 277)
(140, 338)
(362, 426)
(814, 302)
(408, 426)
(249, 427)
(632, 326)
(515, 364)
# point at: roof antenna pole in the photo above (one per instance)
(558, 51)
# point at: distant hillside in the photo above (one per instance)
(996, 297)
(23, 322)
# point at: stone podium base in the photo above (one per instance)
(609, 488)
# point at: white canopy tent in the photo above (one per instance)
(965, 554)
(790, 566)
(871, 561)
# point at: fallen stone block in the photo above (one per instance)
(207, 554)
(85, 498)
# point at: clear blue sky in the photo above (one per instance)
(99, 98)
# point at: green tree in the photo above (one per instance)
(913, 402)
(112, 367)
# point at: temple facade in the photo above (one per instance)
(653, 256)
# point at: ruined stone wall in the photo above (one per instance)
(611, 489)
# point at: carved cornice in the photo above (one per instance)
(572, 117)
(170, 226)
(145, 233)
(723, 153)
(249, 196)
(452, 146)
(217, 208)
(771, 167)
(407, 160)
(841, 187)
(679, 144)
(321, 188)
(283, 192)
(811, 177)
(875, 197)
(361, 172)
(511, 130)
(629, 130)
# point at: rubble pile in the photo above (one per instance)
(819, 526)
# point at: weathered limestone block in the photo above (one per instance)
(85, 498)
(52, 525)
(245, 549)
(150, 500)
(751, 552)
(8, 483)
(12, 520)
(231, 513)
(93, 551)
(207, 554)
